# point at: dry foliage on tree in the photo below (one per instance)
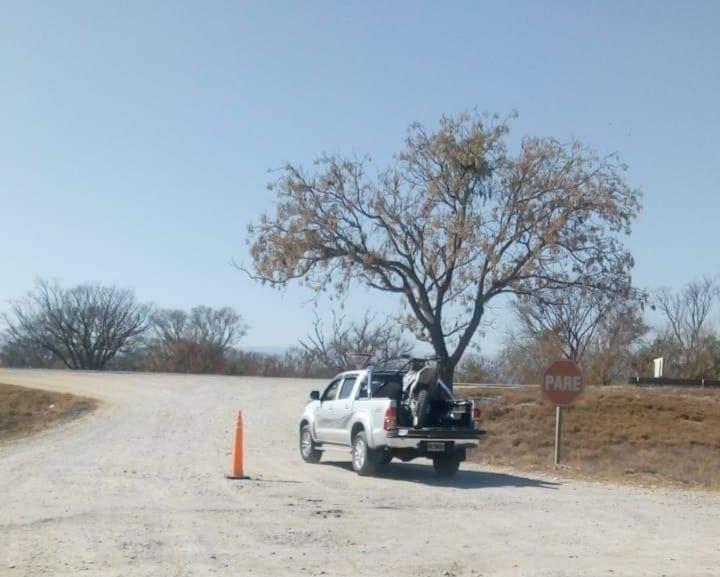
(84, 327)
(453, 222)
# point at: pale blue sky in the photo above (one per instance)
(135, 136)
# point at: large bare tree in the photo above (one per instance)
(84, 327)
(452, 223)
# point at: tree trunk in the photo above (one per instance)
(446, 370)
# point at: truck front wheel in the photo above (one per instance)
(446, 465)
(364, 459)
(308, 452)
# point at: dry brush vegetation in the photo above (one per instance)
(628, 434)
(25, 411)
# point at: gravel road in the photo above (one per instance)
(137, 488)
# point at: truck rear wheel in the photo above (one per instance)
(308, 452)
(364, 459)
(446, 465)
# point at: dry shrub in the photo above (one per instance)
(185, 356)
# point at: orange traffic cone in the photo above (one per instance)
(237, 452)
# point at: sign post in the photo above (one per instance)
(562, 383)
(558, 433)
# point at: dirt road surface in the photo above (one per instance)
(137, 488)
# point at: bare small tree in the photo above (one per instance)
(573, 316)
(84, 327)
(194, 342)
(613, 352)
(331, 347)
(523, 359)
(169, 325)
(687, 313)
(454, 222)
(221, 328)
(595, 328)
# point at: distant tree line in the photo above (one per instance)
(96, 327)
(609, 337)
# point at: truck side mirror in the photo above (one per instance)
(314, 395)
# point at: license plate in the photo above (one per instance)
(436, 447)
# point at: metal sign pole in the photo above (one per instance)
(558, 432)
(561, 384)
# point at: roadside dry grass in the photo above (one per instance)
(627, 434)
(25, 411)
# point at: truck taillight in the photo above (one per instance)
(477, 413)
(390, 418)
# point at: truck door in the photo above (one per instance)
(343, 407)
(326, 412)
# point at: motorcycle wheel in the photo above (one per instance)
(422, 409)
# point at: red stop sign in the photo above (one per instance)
(562, 382)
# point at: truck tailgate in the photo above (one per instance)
(429, 433)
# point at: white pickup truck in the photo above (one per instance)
(369, 421)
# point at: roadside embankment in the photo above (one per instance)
(668, 436)
(24, 411)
